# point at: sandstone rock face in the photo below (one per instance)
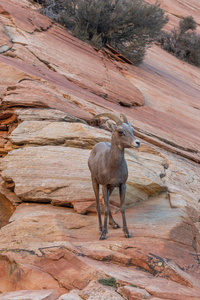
(49, 237)
(97, 291)
(48, 245)
(69, 168)
(59, 182)
(131, 292)
(6, 210)
(72, 295)
(74, 65)
(53, 127)
(5, 42)
(177, 10)
(27, 295)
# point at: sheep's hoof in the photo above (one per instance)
(127, 234)
(116, 226)
(103, 236)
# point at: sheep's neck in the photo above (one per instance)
(116, 155)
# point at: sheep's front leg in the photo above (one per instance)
(122, 191)
(106, 212)
(98, 204)
(111, 220)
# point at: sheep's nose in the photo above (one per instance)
(137, 143)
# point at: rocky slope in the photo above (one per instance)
(51, 87)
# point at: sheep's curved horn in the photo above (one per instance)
(110, 116)
(124, 118)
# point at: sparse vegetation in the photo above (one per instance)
(183, 42)
(133, 285)
(128, 26)
(108, 281)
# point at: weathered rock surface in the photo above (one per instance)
(6, 210)
(47, 247)
(150, 172)
(51, 115)
(53, 132)
(166, 108)
(177, 10)
(130, 292)
(72, 295)
(69, 168)
(5, 42)
(97, 291)
(47, 94)
(31, 295)
(53, 173)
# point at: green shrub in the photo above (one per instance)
(187, 23)
(129, 26)
(183, 42)
(108, 281)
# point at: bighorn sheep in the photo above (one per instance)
(108, 167)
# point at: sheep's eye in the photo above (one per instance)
(121, 132)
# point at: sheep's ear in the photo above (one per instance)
(111, 126)
(130, 123)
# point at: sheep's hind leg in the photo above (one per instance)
(122, 191)
(98, 204)
(106, 212)
(111, 220)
